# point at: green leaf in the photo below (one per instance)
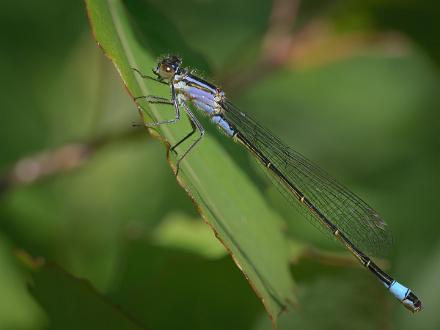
(225, 196)
(17, 308)
(219, 40)
(171, 282)
(167, 288)
(181, 231)
(334, 297)
(71, 303)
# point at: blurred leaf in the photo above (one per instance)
(17, 308)
(71, 303)
(43, 59)
(335, 298)
(158, 34)
(240, 218)
(427, 289)
(170, 289)
(180, 231)
(220, 30)
(365, 119)
(416, 19)
(79, 219)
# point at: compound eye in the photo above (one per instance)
(166, 71)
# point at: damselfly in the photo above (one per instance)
(321, 198)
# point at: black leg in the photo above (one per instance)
(173, 148)
(169, 121)
(144, 76)
(154, 99)
(198, 126)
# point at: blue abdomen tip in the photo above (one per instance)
(399, 291)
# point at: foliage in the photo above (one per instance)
(119, 244)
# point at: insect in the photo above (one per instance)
(321, 198)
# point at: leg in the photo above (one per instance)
(185, 138)
(159, 100)
(154, 99)
(149, 77)
(198, 126)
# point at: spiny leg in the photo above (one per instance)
(159, 100)
(173, 148)
(154, 99)
(144, 76)
(198, 126)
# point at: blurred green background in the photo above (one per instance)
(353, 85)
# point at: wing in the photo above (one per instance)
(349, 213)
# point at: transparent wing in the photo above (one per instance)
(349, 213)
